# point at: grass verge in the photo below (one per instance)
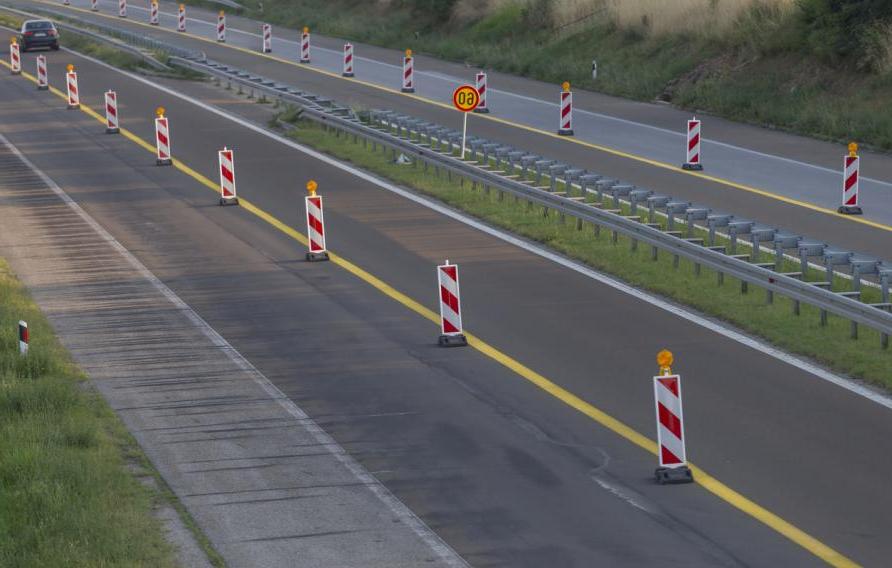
(68, 467)
(830, 345)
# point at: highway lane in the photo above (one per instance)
(479, 471)
(787, 165)
(837, 230)
(779, 456)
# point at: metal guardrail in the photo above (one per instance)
(327, 112)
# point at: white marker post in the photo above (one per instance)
(24, 338)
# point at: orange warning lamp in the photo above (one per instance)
(408, 53)
(853, 149)
(159, 112)
(182, 6)
(664, 360)
(222, 13)
(70, 68)
(13, 40)
(306, 29)
(311, 187)
(566, 86)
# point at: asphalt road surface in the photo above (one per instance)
(504, 472)
(792, 167)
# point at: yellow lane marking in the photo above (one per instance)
(606, 149)
(708, 482)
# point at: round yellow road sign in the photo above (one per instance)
(466, 98)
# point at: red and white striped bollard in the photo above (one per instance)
(74, 98)
(226, 159)
(851, 183)
(94, 5)
(153, 14)
(221, 27)
(348, 60)
(481, 90)
(315, 225)
(122, 8)
(305, 45)
(673, 466)
(451, 331)
(111, 112)
(267, 33)
(162, 139)
(181, 18)
(408, 72)
(565, 127)
(43, 83)
(24, 337)
(693, 146)
(15, 57)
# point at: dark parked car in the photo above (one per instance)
(39, 33)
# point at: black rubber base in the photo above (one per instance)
(74, 107)
(674, 475)
(164, 162)
(850, 210)
(267, 51)
(43, 88)
(221, 41)
(229, 201)
(479, 110)
(317, 256)
(410, 90)
(346, 74)
(565, 132)
(15, 72)
(153, 23)
(452, 340)
(111, 130)
(692, 167)
(306, 62)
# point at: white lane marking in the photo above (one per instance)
(732, 334)
(458, 81)
(397, 507)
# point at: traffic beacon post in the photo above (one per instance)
(15, 57)
(162, 139)
(851, 198)
(451, 331)
(673, 467)
(465, 99)
(316, 250)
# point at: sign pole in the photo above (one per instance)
(464, 134)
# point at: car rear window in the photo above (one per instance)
(38, 25)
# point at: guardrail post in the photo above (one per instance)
(884, 298)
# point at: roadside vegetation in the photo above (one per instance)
(818, 67)
(831, 345)
(69, 495)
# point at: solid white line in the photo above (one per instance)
(397, 507)
(758, 345)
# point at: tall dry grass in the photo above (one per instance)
(701, 17)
